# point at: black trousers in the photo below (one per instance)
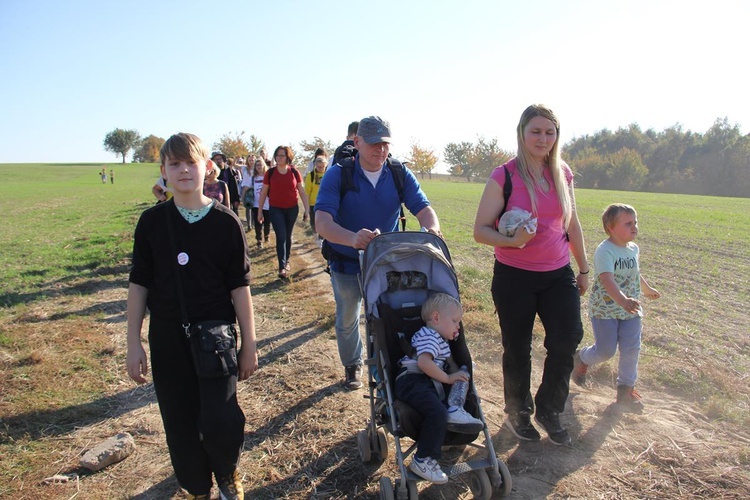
(202, 420)
(519, 296)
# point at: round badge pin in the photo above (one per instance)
(182, 258)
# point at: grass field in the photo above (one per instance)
(66, 234)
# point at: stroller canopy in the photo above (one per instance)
(416, 253)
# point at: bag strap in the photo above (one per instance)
(178, 271)
(507, 190)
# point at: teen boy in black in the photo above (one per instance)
(203, 422)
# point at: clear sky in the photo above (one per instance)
(286, 71)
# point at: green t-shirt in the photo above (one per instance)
(622, 262)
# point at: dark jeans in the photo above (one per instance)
(266, 224)
(282, 220)
(419, 392)
(203, 422)
(519, 296)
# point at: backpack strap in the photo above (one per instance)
(507, 190)
(399, 179)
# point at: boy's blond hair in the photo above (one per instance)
(438, 302)
(183, 146)
(610, 214)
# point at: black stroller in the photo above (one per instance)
(399, 270)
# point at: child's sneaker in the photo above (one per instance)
(555, 431)
(458, 415)
(428, 468)
(198, 497)
(629, 399)
(230, 488)
(579, 369)
(519, 424)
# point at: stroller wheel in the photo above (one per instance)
(480, 485)
(504, 489)
(382, 445)
(386, 488)
(363, 445)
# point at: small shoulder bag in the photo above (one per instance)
(213, 343)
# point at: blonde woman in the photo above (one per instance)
(254, 183)
(533, 275)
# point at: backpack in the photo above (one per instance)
(347, 184)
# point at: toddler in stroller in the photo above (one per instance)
(420, 380)
(402, 271)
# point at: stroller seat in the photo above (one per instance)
(398, 327)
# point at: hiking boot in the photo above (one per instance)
(353, 374)
(519, 424)
(259, 244)
(458, 415)
(230, 488)
(550, 422)
(629, 399)
(579, 369)
(428, 468)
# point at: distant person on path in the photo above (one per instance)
(254, 183)
(417, 378)
(312, 185)
(283, 186)
(226, 174)
(112, 176)
(349, 221)
(311, 164)
(532, 274)
(247, 171)
(103, 173)
(615, 307)
(347, 148)
(215, 188)
(203, 422)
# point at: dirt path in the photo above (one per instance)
(301, 425)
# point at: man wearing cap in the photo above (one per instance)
(350, 220)
(227, 175)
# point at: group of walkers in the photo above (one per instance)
(349, 204)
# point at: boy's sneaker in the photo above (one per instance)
(629, 399)
(428, 468)
(353, 374)
(555, 431)
(458, 415)
(198, 497)
(519, 424)
(579, 369)
(230, 488)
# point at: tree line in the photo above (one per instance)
(715, 163)
(672, 161)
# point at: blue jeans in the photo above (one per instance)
(520, 296)
(419, 392)
(282, 220)
(348, 296)
(608, 335)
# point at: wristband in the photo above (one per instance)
(581, 272)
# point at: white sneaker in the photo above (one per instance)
(458, 415)
(428, 468)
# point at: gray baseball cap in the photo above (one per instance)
(374, 129)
